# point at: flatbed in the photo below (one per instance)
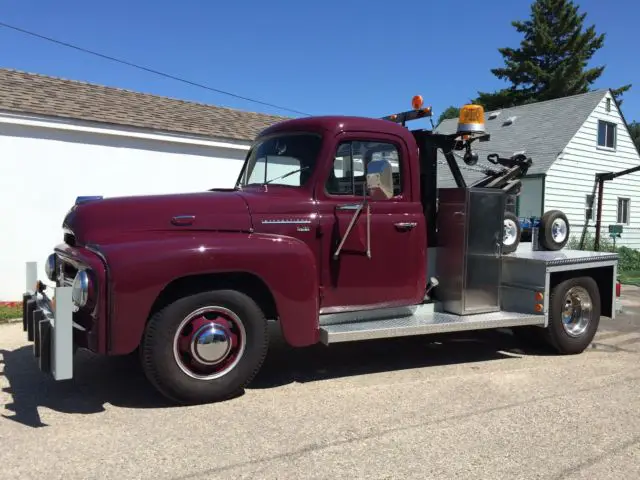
(524, 272)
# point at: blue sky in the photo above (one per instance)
(349, 57)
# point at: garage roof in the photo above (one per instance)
(57, 97)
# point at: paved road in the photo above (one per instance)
(463, 406)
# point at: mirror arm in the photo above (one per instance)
(349, 228)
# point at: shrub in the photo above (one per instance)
(628, 260)
(606, 244)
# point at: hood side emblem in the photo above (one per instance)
(183, 220)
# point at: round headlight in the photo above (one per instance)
(80, 288)
(50, 267)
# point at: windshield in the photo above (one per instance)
(282, 160)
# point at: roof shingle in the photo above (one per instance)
(56, 97)
(541, 129)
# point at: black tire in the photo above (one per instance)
(161, 365)
(556, 334)
(546, 237)
(511, 222)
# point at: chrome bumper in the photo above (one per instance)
(49, 325)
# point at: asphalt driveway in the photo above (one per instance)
(460, 406)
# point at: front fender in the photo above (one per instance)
(139, 270)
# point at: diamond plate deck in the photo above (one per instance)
(435, 322)
(560, 257)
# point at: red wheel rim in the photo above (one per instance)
(209, 342)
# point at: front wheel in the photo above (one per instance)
(205, 347)
(574, 315)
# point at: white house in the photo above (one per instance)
(60, 139)
(569, 139)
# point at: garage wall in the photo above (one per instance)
(43, 170)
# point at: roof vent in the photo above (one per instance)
(493, 115)
(509, 121)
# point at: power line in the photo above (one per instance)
(146, 69)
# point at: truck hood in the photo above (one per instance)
(99, 220)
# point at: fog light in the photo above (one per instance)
(80, 289)
(50, 267)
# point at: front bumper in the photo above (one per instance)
(49, 325)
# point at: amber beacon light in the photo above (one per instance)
(471, 119)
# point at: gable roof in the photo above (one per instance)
(70, 99)
(541, 129)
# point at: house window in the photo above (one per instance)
(623, 211)
(606, 134)
(588, 207)
(348, 175)
(608, 105)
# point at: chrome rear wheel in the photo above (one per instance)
(577, 311)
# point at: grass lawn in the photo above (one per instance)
(8, 312)
(630, 278)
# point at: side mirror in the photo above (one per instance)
(380, 180)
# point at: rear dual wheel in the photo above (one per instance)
(205, 347)
(574, 306)
(574, 317)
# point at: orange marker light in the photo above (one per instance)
(416, 102)
(538, 307)
(539, 296)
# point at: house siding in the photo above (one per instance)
(572, 177)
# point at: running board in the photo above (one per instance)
(432, 322)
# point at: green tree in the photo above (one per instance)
(451, 112)
(634, 131)
(552, 59)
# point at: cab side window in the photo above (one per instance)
(348, 175)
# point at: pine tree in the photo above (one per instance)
(450, 112)
(552, 59)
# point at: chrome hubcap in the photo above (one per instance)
(559, 230)
(510, 232)
(576, 314)
(209, 342)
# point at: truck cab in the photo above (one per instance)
(337, 231)
(306, 180)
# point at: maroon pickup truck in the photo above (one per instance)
(337, 231)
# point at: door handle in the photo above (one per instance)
(349, 206)
(404, 226)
